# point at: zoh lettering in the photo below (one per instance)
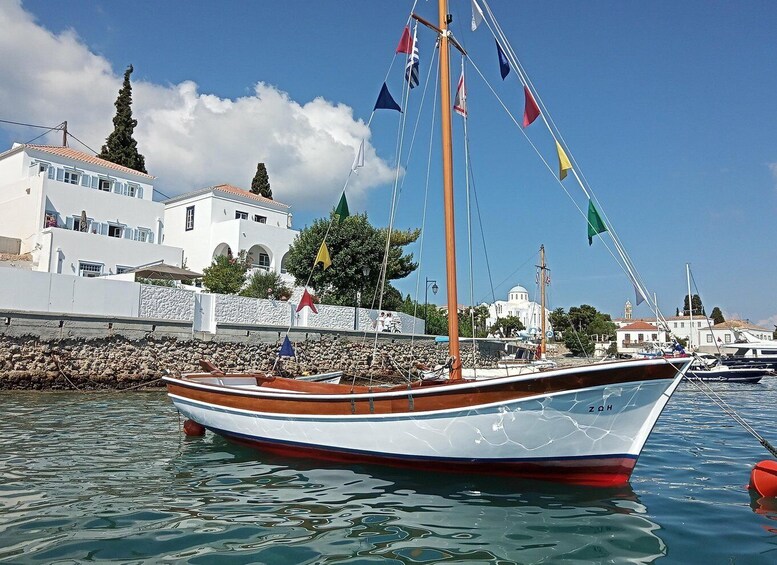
(600, 408)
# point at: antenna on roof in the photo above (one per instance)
(64, 133)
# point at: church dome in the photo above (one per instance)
(518, 288)
(518, 294)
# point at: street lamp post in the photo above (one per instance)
(435, 288)
(366, 273)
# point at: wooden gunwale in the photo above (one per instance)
(401, 400)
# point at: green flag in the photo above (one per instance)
(341, 212)
(595, 223)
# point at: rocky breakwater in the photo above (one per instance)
(120, 363)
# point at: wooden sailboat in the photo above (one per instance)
(584, 425)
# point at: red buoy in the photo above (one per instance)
(192, 428)
(763, 478)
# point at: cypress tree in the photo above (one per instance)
(261, 183)
(120, 147)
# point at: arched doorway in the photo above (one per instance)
(259, 257)
(222, 249)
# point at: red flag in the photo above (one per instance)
(307, 300)
(405, 42)
(530, 109)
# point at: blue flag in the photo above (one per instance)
(386, 101)
(504, 66)
(286, 349)
(411, 69)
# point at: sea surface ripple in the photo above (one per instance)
(109, 477)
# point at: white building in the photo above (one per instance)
(639, 335)
(519, 305)
(78, 214)
(725, 333)
(225, 220)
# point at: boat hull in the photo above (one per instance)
(583, 425)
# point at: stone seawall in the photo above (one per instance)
(117, 362)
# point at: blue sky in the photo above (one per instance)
(669, 109)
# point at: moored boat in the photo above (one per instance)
(585, 424)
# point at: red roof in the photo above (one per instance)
(71, 153)
(246, 194)
(639, 325)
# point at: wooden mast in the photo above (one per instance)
(544, 342)
(447, 176)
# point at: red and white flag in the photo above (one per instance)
(460, 102)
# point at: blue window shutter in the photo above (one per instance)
(128, 232)
(85, 180)
(104, 229)
(61, 174)
(69, 222)
(95, 182)
(139, 192)
(151, 237)
(51, 172)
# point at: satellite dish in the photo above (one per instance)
(549, 334)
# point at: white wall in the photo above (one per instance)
(61, 251)
(35, 291)
(48, 292)
(20, 210)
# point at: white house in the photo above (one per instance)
(519, 305)
(225, 220)
(639, 335)
(78, 214)
(725, 333)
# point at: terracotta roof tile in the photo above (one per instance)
(71, 153)
(639, 325)
(246, 194)
(738, 324)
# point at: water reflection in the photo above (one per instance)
(368, 512)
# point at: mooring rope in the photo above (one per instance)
(710, 393)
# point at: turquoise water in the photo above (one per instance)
(109, 477)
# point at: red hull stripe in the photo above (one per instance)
(603, 471)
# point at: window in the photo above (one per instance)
(77, 224)
(105, 185)
(675, 324)
(640, 337)
(43, 168)
(241, 215)
(70, 177)
(654, 337)
(143, 234)
(682, 324)
(131, 190)
(727, 338)
(89, 269)
(698, 324)
(115, 231)
(709, 338)
(51, 220)
(121, 269)
(627, 338)
(189, 218)
(260, 219)
(263, 261)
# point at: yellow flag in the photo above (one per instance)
(323, 256)
(563, 162)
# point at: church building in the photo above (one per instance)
(519, 305)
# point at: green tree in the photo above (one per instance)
(559, 320)
(436, 321)
(354, 246)
(698, 308)
(578, 343)
(226, 275)
(120, 147)
(508, 326)
(602, 324)
(478, 315)
(717, 316)
(581, 317)
(266, 284)
(261, 183)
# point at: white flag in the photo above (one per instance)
(477, 15)
(460, 102)
(359, 161)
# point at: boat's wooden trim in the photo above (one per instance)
(324, 399)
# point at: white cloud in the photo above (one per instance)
(768, 323)
(189, 139)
